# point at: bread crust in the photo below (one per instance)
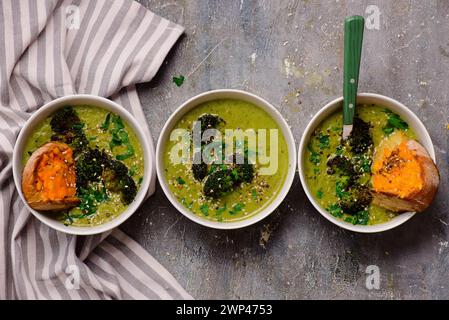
(34, 196)
(416, 201)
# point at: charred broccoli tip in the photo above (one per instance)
(360, 139)
(358, 199)
(89, 168)
(341, 165)
(209, 121)
(199, 170)
(245, 171)
(219, 183)
(64, 119)
(117, 179)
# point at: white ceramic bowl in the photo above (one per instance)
(109, 105)
(226, 94)
(368, 98)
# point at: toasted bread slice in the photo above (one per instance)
(49, 180)
(404, 178)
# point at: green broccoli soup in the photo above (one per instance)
(226, 176)
(108, 161)
(338, 173)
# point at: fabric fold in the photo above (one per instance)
(56, 48)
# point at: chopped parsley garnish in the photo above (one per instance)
(361, 217)
(105, 125)
(178, 80)
(204, 208)
(89, 199)
(319, 194)
(236, 208)
(132, 170)
(323, 141)
(315, 158)
(180, 180)
(335, 210)
(254, 194)
(394, 122)
(340, 187)
(120, 137)
(221, 209)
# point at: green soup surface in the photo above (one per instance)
(108, 204)
(328, 187)
(248, 198)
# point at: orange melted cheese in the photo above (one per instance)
(397, 172)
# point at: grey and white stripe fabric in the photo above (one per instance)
(45, 53)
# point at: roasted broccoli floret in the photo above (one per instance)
(357, 199)
(245, 172)
(219, 183)
(224, 179)
(64, 120)
(199, 171)
(117, 179)
(340, 165)
(209, 121)
(360, 139)
(79, 143)
(93, 164)
(67, 128)
(89, 167)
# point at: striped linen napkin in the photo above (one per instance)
(48, 49)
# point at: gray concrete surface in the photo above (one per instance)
(290, 52)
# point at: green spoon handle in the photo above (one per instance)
(353, 49)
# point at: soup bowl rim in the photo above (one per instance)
(364, 98)
(87, 99)
(217, 94)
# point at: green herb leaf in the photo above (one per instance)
(129, 153)
(221, 209)
(323, 141)
(388, 130)
(78, 126)
(107, 121)
(90, 198)
(178, 80)
(394, 122)
(315, 158)
(319, 194)
(204, 208)
(362, 217)
(236, 208)
(118, 122)
(335, 210)
(180, 180)
(254, 194)
(235, 174)
(132, 170)
(340, 187)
